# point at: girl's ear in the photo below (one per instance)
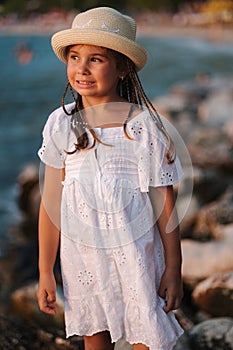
(123, 74)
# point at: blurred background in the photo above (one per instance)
(189, 77)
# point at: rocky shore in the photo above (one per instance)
(201, 110)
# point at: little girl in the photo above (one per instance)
(108, 194)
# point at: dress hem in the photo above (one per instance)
(93, 333)
(131, 342)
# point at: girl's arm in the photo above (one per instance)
(49, 235)
(162, 199)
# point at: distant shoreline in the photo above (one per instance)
(215, 34)
(148, 24)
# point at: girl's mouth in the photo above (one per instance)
(84, 83)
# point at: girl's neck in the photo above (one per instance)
(88, 102)
(109, 114)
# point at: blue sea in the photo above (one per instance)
(29, 92)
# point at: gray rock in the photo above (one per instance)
(202, 260)
(217, 109)
(171, 105)
(219, 212)
(209, 148)
(214, 334)
(122, 345)
(215, 294)
(202, 222)
(201, 219)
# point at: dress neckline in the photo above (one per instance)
(120, 126)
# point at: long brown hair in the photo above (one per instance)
(130, 89)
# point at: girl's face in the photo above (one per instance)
(92, 71)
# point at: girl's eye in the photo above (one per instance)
(95, 59)
(74, 57)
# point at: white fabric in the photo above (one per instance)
(111, 251)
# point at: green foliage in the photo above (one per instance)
(18, 6)
(83, 5)
(155, 4)
(27, 6)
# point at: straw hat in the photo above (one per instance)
(102, 26)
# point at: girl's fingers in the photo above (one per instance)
(171, 304)
(51, 297)
(162, 292)
(47, 303)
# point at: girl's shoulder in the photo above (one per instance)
(142, 125)
(58, 119)
(139, 116)
(58, 115)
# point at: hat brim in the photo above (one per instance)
(112, 41)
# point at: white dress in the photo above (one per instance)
(111, 251)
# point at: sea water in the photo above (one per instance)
(31, 89)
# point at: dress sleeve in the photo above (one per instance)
(53, 149)
(153, 168)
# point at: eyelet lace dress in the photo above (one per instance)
(111, 252)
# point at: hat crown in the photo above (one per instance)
(106, 19)
(101, 26)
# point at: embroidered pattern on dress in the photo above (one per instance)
(106, 220)
(151, 148)
(83, 210)
(133, 294)
(140, 263)
(137, 128)
(120, 256)
(42, 149)
(166, 177)
(85, 277)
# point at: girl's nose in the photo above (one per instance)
(83, 67)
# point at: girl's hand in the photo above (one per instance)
(171, 289)
(46, 294)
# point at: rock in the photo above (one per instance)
(201, 219)
(210, 149)
(171, 105)
(215, 294)
(24, 303)
(199, 100)
(217, 109)
(29, 192)
(183, 320)
(203, 224)
(17, 334)
(202, 260)
(219, 212)
(194, 91)
(207, 186)
(214, 334)
(122, 345)
(228, 130)
(19, 265)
